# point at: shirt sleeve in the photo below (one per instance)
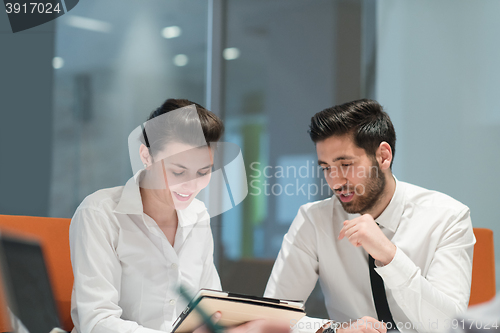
(97, 272)
(295, 271)
(431, 301)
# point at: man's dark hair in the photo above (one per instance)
(365, 119)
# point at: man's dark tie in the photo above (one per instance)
(379, 297)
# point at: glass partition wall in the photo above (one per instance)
(285, 61)
(116, 61)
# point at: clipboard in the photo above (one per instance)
(236, 309)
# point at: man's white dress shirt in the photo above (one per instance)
(126, 271)
(427, 283)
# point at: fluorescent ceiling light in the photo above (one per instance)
(57, 62)
(88, 23)
(181, 60)
(171, 32)
(231, 53)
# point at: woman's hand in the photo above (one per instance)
(204, 329)
(261, 326)
(364, 325)
(254, 326)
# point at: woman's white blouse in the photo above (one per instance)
(126, 272)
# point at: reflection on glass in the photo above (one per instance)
(279, 71)
(114, 65)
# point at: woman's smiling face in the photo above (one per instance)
(185, 170)
(188, 170)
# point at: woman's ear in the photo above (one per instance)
(384, 155)
(146, 158)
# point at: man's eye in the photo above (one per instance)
(346, 165)
(325, 168)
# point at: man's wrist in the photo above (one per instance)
(391, 253)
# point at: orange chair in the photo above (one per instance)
(483, 268)
(53, 234)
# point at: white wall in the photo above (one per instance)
(438, 76)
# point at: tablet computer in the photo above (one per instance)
(236, 309)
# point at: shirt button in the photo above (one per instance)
(174, 266)
(172, 301)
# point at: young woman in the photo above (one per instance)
(132, 246)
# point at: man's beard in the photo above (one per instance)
(370, 192)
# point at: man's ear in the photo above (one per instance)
(384, 155)
(146, 158)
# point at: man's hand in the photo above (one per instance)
(364, 325)
(363, 231)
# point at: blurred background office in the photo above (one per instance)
(265, 67)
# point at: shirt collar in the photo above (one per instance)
(391, 216)
(131, 203)
(130, 200)
(187, 216)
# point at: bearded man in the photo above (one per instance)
(384, 250)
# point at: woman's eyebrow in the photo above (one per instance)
(183, 167)
(179, 165)
(208, 166)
